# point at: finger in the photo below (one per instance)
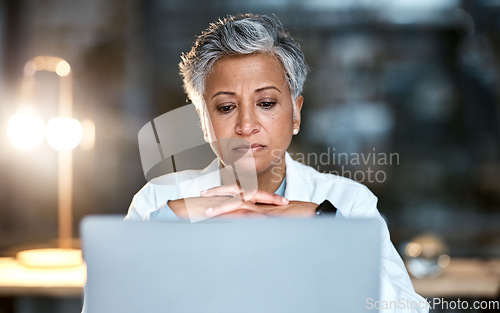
(264, 197)
(255, 196)
(224, 190)
(231, 205)
(240, 213)
(227, 206)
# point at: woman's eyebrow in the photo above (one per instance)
(267, 87)
(223, 93)
(233, 93)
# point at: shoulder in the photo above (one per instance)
(350, 197)
(157, 192)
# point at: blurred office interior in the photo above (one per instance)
(414, 78)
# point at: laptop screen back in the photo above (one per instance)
(231, 266)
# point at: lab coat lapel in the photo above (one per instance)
(192, 186)
(297, 187)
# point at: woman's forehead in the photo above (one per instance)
(252, 71)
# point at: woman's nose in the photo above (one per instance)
(248, 122)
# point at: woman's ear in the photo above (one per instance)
(298, 107)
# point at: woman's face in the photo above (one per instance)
(250, 107)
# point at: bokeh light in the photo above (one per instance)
(25, 130)
(63, 68)
(64, 133)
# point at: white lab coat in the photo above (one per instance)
(303, 183)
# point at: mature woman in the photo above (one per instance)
(245, 76)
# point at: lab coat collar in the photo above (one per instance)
(192, 183)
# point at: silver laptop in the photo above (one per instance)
(231, 266)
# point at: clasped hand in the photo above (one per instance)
(230, 201)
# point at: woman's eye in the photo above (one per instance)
(225, 108)
(267, 104)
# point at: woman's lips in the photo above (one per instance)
(255, 147)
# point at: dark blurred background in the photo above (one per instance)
(415, 78)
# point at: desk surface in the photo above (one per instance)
(465, 278)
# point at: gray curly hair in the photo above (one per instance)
(237, 35)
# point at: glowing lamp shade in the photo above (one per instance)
(25, 130)
(50, 258)
(64, 133)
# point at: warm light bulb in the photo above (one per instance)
(63, 68)
(64, 133)
(25, 130)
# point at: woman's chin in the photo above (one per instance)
(250, 163)
(245, 165)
